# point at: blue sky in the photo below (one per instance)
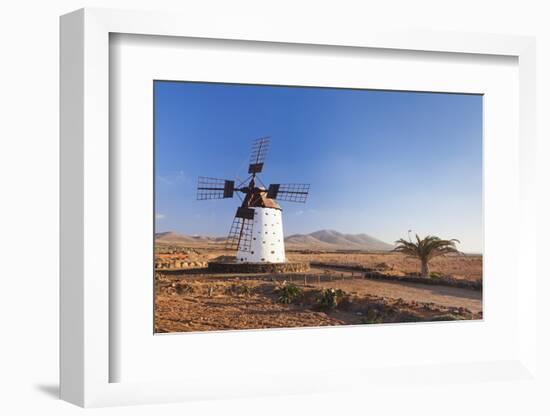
(379, 162)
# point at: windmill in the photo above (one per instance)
(257, 229)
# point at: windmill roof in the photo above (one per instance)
(260, 199)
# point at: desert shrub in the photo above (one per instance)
(408, 317)
(447, 317)
(436, 275)
(245, 290)
(210, 291)
(238, 290)
(288, 293)
(373, 317)
(183, 288)
(331, 298)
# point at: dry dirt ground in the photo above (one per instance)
(193, 300)
(460, 267)
(205, 302)
(410, 292)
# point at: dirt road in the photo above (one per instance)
(412, 292)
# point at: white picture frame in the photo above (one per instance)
(86, 291)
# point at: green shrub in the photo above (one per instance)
(183, 288)
(288, 293)
(210, 291)
(245, 290)
(409, 317)
(447, 317)
(373, 317)
(239, 290)
(331, 298)
(436, 275)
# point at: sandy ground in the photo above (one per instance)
(201, 312)
(206, 302)
(460, 267)
(193, 300)
(411, 292)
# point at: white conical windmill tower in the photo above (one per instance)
(257, 229)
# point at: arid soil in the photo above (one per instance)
(444, 296)
(188, 298)
(460, 267)
(212, 306)
(205, 302)
(457, 266)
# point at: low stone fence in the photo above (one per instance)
(178, 264)
(221, 267)
(373, 274)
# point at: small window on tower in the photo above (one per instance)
(263, 259)
(251, 252)
(272, 252)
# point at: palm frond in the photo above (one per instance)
(427, 247)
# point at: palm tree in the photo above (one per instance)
(426, 249)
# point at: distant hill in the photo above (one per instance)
(334, 240)
(173, 237)
(318, 240)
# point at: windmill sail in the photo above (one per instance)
(214, 188)
(257, 157)
(240, 235)
(292, 192)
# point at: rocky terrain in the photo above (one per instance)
(210, 303)
(189, 297)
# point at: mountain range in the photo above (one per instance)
(334, 240)
(318, 240)
(174, 237)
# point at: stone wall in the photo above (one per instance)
(216, 267)
(177, 264)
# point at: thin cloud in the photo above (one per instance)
(172, 179)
